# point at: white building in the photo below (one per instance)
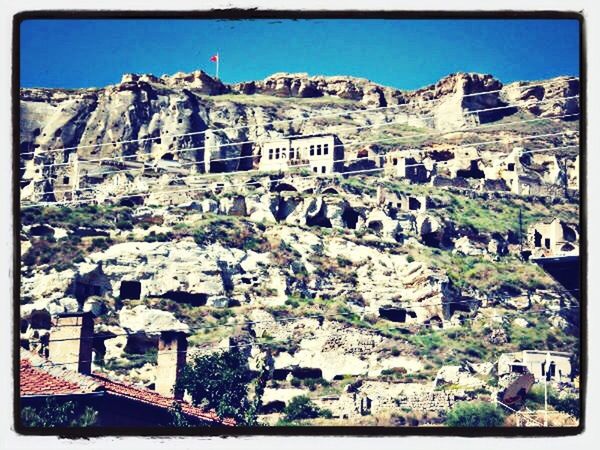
(320, 154)
(555, 365)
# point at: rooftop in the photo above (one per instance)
(39, 377)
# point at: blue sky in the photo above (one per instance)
(406, 54)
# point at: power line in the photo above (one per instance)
(191, 177)
(284, 120)
(404, 305)
(210, 347)
(327, 175)
(394, 139)
(217, 147)
(379, 140)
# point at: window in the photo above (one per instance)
(291, 152)
(270, 153)
(511, 167)
(315, 169)
(65, 180)
(547, 243)
(325, 149)
(277, 153)
(323, 169)
(395, 161)
(319, 149)
(312, 150)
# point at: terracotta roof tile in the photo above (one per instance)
(36, 381)
(39, 377)
(153, 398)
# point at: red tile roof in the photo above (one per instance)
(39, 377)
(52, 380)
(37, 382)
(153, 398)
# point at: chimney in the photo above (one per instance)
(172, 351)
(70, 343)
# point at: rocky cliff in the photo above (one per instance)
(373, 294)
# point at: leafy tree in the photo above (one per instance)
(223, 382)
(178, 419)
(475, 414)
(302, 407)
(58, 414)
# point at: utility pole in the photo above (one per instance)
(547, 372)
(521, 229)
(565, 176)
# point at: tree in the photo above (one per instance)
(302, 407)
(223, 382)
(178, 419)
(58, 414)
(475, 414)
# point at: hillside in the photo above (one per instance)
(365, 284)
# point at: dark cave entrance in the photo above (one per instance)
(130, 290)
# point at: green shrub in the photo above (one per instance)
(475, 414)
(158, 237)
(55, 413)
(569, 405)
(301, 407)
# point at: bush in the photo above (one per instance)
(301, 407)
(158, 237)
(475, 414)
(569, 405)
(54, 413)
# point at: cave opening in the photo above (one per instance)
(376, 225)
(190, 298)
(130, 290)
(350, 217)
(413, 204)
(318, 220)
(472, 172)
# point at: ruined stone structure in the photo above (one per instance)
(553, 238)
(378, 397)
(401, 202)
(554, 365)
(404, 164)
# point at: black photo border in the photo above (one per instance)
(249, 14)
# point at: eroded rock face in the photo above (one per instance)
(558, 98)
(149, 321)
(329, 349)
(174, 114)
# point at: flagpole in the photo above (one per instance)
(218, 58)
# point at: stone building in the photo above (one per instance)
(555, 365)
(321, 153)
(404, 164)
(553, 238)
(401, 202)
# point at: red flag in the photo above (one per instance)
(214, 58)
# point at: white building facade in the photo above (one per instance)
(321, 154)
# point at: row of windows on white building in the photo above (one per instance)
(279, 153)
